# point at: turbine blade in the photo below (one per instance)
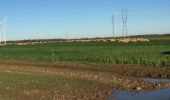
(5, 19)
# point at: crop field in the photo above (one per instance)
(153, 53)
(81, 70)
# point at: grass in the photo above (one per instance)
(40, 82)
(149, 53)
(11, 84)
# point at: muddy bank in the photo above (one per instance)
(109, 76)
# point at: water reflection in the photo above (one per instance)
(161, 94)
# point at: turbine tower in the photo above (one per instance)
(4, 30)
(1, 35)
(113, 25)
(124, 19)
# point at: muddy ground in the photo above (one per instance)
(109, 77)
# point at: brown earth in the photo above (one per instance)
(110, 76)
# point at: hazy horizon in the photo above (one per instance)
(40, 19)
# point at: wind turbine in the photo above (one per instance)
(4, 29)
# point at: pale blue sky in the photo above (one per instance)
(32, 19)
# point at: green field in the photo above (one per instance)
(79, 70)
(148, 53)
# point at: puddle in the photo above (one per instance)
(161, 94)
(157, 80)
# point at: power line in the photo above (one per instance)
(124, 19)
(113, 25)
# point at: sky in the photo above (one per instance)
(43, 19)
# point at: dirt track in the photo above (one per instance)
(125, 70)
(110, 76)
